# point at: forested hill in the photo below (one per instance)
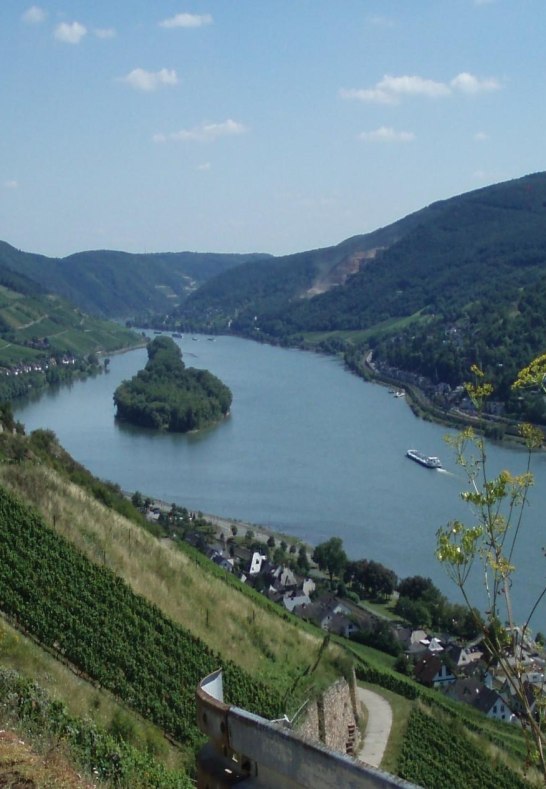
(269, 286)
(462, 281)
(168, 396)
(439, 258)
(119, 284)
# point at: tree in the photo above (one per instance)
(302, 562)
(372, 578)
(417, 588)
(497, 505)
(137, 499)
(331, 557)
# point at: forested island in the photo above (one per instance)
(165, 395)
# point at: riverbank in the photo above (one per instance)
(225, 526)
(495, 428)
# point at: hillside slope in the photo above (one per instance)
(461, 282)
(60, 566)
(119, 284)
(492, 237)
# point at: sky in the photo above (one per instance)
(257, 125)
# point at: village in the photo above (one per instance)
(286, 573)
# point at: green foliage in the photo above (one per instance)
(461, 282)
(90, 617)
(108, 757)
(462, 763)
(497, 507)
(167, 396)
(381, 637)
(42, 445)
(372, 578)
(331, 557)
(115, 284)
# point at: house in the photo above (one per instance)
(294, 599)
(432, 671)
(461, 656)
(322, 612)
(341, 625)
(308, 586)
(221, 561)
(256, 563)
(469, 690)
(283, 578)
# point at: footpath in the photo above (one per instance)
(378, 727)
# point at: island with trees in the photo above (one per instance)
(167, 396)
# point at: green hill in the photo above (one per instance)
(461, 282)
(118, 284)
(43, 338)
(122, 625)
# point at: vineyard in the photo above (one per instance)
(92, 619)
(441, 754)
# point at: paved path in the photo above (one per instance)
(378, 727)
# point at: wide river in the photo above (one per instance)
(309, 450)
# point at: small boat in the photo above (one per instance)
(400, 393)
(429, 461)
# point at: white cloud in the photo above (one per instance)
(105, 32)
(468, 83)
(481, 136)
(34, 15)
(187, 20)
(148, 81)
(70, 33)
(386, 134)
(206, 132)
(11, 184)
(205, 167)
(390, 90)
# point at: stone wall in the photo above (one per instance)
(332, 718)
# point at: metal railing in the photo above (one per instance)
(260, 754)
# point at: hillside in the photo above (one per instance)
(118, 284)
(43, 338)
(84, 582)
(461, 282)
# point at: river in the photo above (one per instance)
(309, 450)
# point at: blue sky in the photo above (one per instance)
(246, 125)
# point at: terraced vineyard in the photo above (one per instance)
(91, 618)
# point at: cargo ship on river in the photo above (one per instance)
(429, 461)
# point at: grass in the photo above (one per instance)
(82, 698)
(251, 632)
(22, 764)
(383, 610)
(401, 709)
(359, 336)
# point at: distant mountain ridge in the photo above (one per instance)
(116, 284)
(460, 282)
(419, 262)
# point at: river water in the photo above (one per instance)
(309, 450)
